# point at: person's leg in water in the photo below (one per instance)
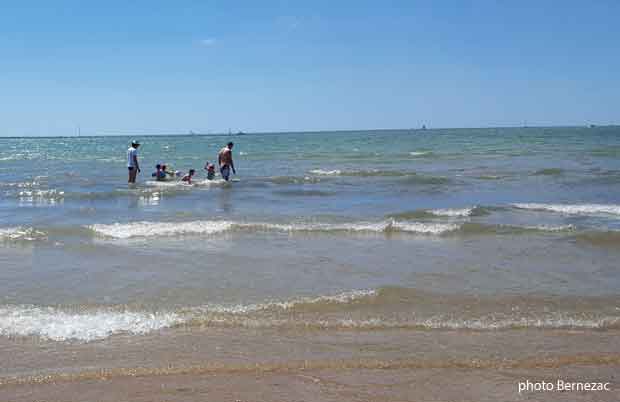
(132, 174)
(225, 172)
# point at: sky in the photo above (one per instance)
(155, 67)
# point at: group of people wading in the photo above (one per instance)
(224, 161)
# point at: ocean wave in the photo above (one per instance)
(152, 229)
(54, 324)
(167, 184)
(367, 309)
(361, 173)
(16, 234)
(393, 225)
(297, 304)
(453, 212)
(487, 323)
(49, 195)
(388, 226)
(441, 212)
(21, 184)
(160, 229)
(323, 172)
(503, 229)
(572, 209)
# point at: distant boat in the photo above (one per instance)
(240, 133)
(423, 127)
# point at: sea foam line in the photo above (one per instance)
(453, 212)
(58, 325)
(20, 233)
(572, 209)
(150, 229)
(53, 324)
(340, 298)
(323, 172)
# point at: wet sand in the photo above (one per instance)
(229, 364)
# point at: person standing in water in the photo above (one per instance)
(132, 161)
(225, 160)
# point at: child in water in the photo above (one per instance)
(210, 168)
(168, 174)
(159, 173)
(188, 176)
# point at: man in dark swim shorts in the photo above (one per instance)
(224, 159)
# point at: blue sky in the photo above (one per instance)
(123, 67)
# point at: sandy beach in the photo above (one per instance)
(395, 365)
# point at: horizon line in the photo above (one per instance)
(241, 133)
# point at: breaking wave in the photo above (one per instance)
(150, 229)
(54, 324)
(362, 173)
(323, 172)
(572, 209)
(442, 212)
(371, 309)
(16, 234)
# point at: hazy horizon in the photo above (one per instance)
(234, 134)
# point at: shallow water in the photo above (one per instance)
(363, 230)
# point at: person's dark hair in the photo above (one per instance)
(192, 171)
(230, 144)
(158, 166)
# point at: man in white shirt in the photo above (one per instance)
(132, 161)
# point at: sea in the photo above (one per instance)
(485, 230)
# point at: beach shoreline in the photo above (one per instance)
(195, 364)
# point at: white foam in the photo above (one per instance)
(21, 234)
(551, 228)
(53, 324)
(315, 227)
(453, 212)
(551, 321)
(176, 183)
(425, 228)
(150, 229)
(574, 209)
(52, 194)
(554, 321)
(372, 227)
(207, 182)
(420, 153)
(241, 309)
(326, 172)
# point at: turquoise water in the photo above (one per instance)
(495, 212)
